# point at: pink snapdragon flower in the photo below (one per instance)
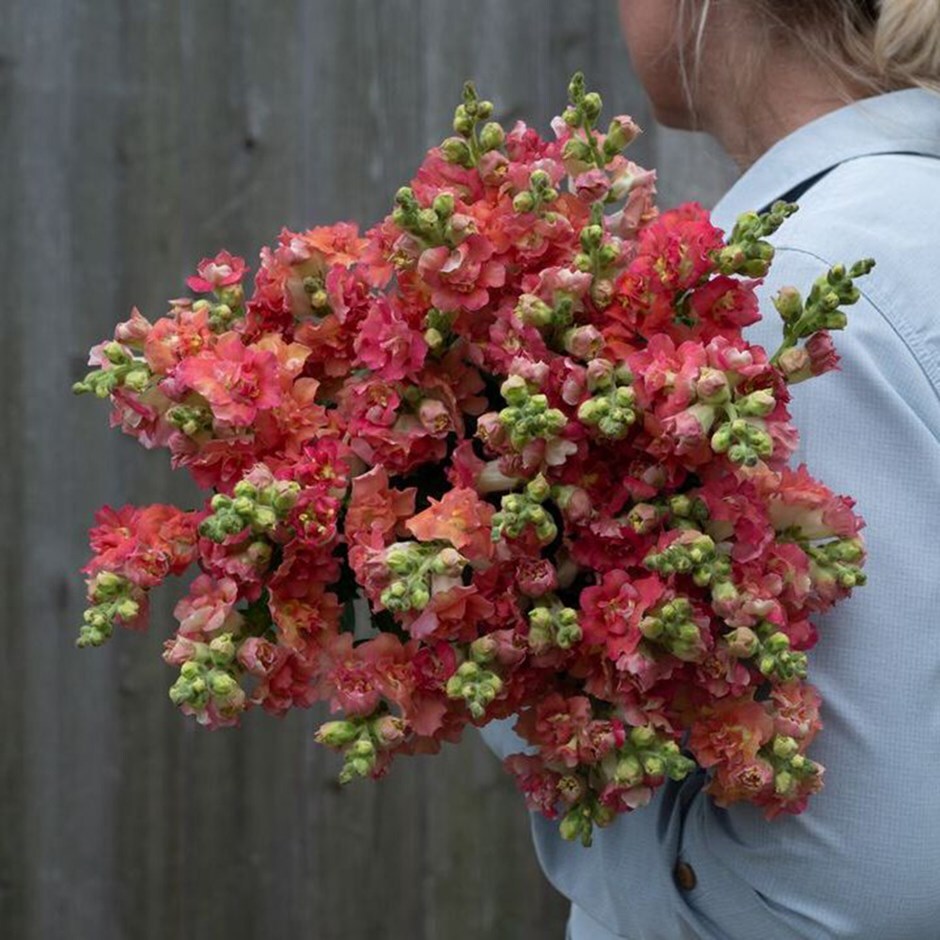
(387, 344)
(237, 381)
(460, 517)
(461, 278)
(612, 610)
(214, 273)
(209, 608)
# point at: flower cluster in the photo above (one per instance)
(517, 423)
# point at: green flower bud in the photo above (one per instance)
(355, 767)
(463, 123)
(244, 489)
(651, 627)
(591, 237)
(538, 488)
(654, 765)
(362, 747)
(127, 609)
(457, 151)
(592, 410)
(584, 262)
(223, 649)
(785, 746)
(620, 133)
(576, 149)
(777, 642)
(443, 205)
(483, 649)
(574, 825)
(180, 692)
(137, 380)
(264, 517)
(491, 137)
(468, 670)
(399, 561)
(592, 105)
(721, 439)
(789, 304)
(568, 635)
(222, 684)
(742, 642)
(628, 771)
(433, 338)
(515, 390)
(758, 403)
(116, 354)
(190, 671)
(688, 633)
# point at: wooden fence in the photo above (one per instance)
(137, 136)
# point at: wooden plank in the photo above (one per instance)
(17, 860)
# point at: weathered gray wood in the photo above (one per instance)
(136, 138)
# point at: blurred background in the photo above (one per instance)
(135, 139)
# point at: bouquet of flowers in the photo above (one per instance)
(517, 424)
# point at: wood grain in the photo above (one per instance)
(136, 138)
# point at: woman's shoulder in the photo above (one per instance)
(886, 207)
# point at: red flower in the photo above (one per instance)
(455, 612)
(260, 657)
(387, 344)
(742, 780)
(796, 711)
(538, 784)
(734, 729)
(722, 306)
(172, 339)
(213, 273)
(209, 608)
(460, 278)
(459, 517)
(566, 731)
(236, 380)
(374, 505)
(611, 611)
(144, 545)
(803, 503)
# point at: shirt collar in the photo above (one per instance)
(906, 121)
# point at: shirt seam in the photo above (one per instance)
(902, 329)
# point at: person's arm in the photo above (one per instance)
(625, 879)
(862, 861)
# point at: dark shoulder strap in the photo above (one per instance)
(798, 191)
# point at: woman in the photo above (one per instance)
(832, 103)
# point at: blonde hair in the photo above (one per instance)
(871, 46)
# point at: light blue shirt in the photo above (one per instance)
(863, 861)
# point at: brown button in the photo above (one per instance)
(685, 876)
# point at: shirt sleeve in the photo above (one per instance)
(861, 862)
